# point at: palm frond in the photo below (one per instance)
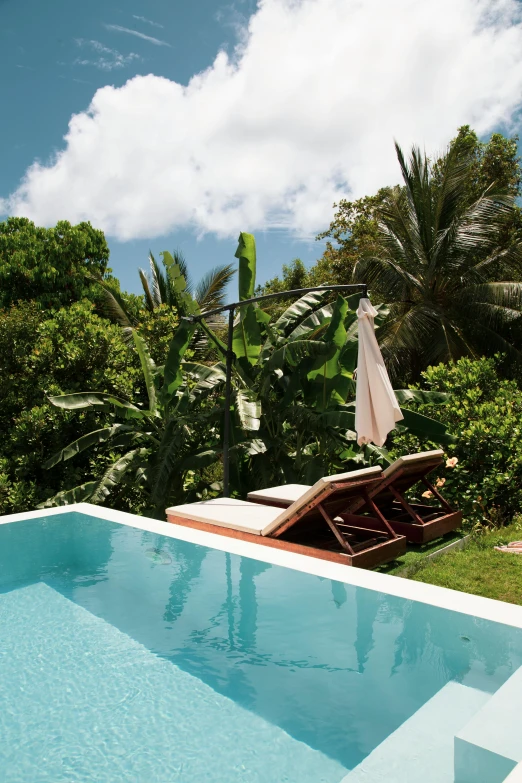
(115, 309)
(210, 291)
(181, 261)
(439, 254)
(160, 284)
(149, 299)
(387, 277)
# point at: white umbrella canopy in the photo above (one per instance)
(376, 406)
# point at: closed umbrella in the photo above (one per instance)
(376, 406)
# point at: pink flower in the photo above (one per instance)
(440, 482)
(451, 462)
(427, 494)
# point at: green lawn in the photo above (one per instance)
(477, 569)
(416, 554)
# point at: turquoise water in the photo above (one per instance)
(130, 656)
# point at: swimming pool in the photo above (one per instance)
(130, 654)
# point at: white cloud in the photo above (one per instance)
(107, 59)
(304, 113)
(146, 21)
(117, 28)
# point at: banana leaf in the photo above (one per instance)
(200, 460)
(207, 378)
(148, 369)
(91, 439)
(78, 494)
(178, 346)
(114, 474)
(80, 400)
(330, 381)
(418, 395)
(248, 409)
(313, 325)
(292, 353)
(299, 310)
(339, 419)
(246, 338)
(424, 427)
(246, 252)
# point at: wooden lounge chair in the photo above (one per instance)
(310, 525)
(418, 522)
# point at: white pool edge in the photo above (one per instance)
(476, 606)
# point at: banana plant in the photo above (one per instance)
(294, 386)
(155, 441)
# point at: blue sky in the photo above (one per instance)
(192, 121)
(44, 84)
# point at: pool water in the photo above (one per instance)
(130, 656)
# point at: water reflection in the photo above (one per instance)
(249, 570)
(188, 569)
(367, 605)
(339, 594)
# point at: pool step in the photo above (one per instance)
(516, 775)
(490, 745)
(82, 701)
(421, 749)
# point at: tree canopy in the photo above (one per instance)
(49, 265)
(447, 263)
(353, 232)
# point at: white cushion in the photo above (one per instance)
(290, 493)
(255, 518)
(228, 512)
(287, 493)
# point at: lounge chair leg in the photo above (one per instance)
(333, 527)
(406, 506)
(371, 504)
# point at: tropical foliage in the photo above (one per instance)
(160, 288)
(443, 250)
(49, 265)
(294, 390)
(152, 446)
(450, 282)
(484, 474)
(353, 232)
(44, 353)
(293, 419)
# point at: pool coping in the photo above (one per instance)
(442, 597)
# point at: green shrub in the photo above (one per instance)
(485, 415)
(53, 352)
(48, 266)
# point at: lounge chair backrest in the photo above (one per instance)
(332, 492)
(415, 463)
(403, 474)
(406, 471)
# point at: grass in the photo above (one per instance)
(416, 554)
(477, 569)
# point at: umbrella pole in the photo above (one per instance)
(228, 393)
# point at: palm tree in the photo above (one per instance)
(444, 267)
(159, 288)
